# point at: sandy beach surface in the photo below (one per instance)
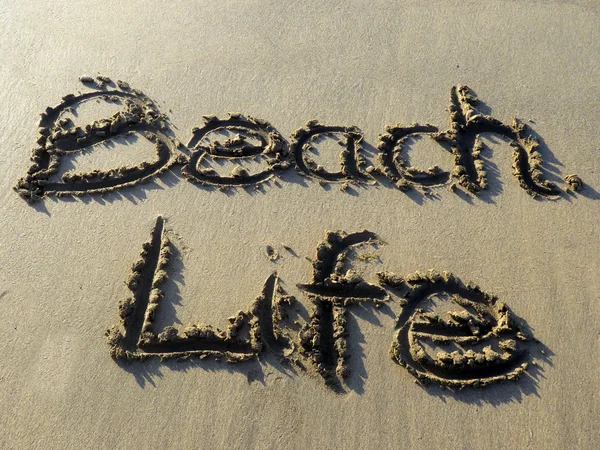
(65, 260)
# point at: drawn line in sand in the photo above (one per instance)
(396, 169)
(449, 333)
(470, 339)
(303, 140)
(248, 333)
(59, 137)
(271, 147)
(253, 140)
(466, 124)
(331, 292)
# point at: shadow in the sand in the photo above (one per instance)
(358, 373)
(508, 391)
(134, 195)
(151, 370)
(501, 393)
(255, 370)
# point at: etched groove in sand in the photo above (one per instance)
(332, 291)
(350, 156)
(466, 124)
(272, 147)
(396, 169)
(475, 344)
(244, 338)
(58, 138)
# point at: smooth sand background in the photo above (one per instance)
(63, 263)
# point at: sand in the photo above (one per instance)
(316, 225)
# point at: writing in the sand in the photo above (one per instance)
(242, 151)
(448, 332)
